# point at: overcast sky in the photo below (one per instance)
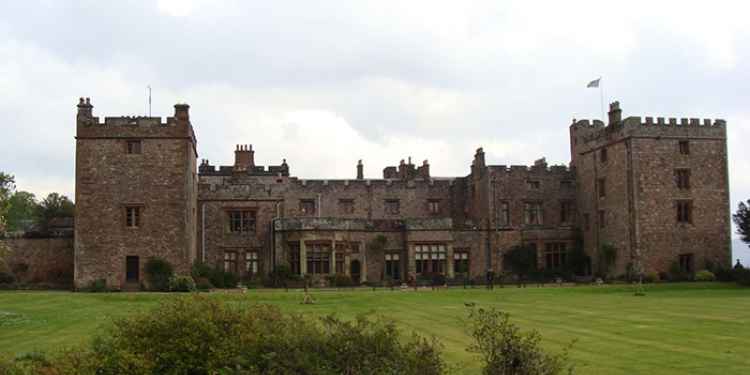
(324, 84)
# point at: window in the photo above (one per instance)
(533, 184)
(346, 206)
(307, 206)
(340, 260)
(566, 184)
(241, 221)
(602, 219)
(230, 261)
(251, 262)
(430, 258)
(434, 206)
(684, 211)
(133, 147)
(586, 222)
(682, 178)
(601, 185)
(686, 263)
(294, 264)
(684, 147)
(533, 213)
(461, 261)
(566, 212)
(392, 266)
(503, 214)
(555, 255)
(603, 155)
(392, 206)
(132, 217)
(319, 258)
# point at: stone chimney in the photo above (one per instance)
(360, 170)
(615, 113)
(244, 158)
(85, 109)
(424, 170)
(182, 114)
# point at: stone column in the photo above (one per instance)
(302, 256)
(449, 262)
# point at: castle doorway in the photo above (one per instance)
(132, 269)
(355, 271)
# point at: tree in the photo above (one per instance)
(22, 210)
(521, 259)
(607, 258)
(7, 186)
(742, 219)
(54, 206)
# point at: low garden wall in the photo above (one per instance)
(40, 262)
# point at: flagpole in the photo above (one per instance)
(601, 98)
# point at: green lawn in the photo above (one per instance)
(674, 329)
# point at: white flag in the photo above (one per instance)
(594, 83)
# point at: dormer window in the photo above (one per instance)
(533, 184)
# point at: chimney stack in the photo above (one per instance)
(181, 113)
(360, 170)
(85, 109)
(244, 158)
(615, 113)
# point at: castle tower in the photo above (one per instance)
(655, 191)
(136, 194)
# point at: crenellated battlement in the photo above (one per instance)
(672, 121)
(205, 168)
(526, 169)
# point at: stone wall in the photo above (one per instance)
(46, 261)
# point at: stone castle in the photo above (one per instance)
(654, 191)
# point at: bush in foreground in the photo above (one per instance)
(705, 275)
(180, 283)
(505, 350)
(202, 335)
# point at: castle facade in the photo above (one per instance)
(653, 192)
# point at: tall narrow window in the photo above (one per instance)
(682, 178)
(503, 214)
(533, 184)
(307, 207)
(603, 155)
(133, 147)
(686, 263)
(461, 261)
(294, 258)
(230, 261)
(340, 259)
(392, 206)
(684, 211)
(602, 219)
(430, 258)
(586, 222)
(251, 263)
(555, 255)
(393, 266)
(318, 258)
(433, 206)
(684, 147)
(601, 185)
(533, 213)
(241, 221)
(566, 212)
(132, 217)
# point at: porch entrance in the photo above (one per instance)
(132, 269)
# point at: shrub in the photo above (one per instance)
(705, 275)
(203, 283)
(199, 335)
(280, 276)
(182, 284)
(504, 349)
(97, 286)
(340, 280)
(651, 277)
(222, 279)
(158, 273)
(676, 273)
(742, 276)
(200, 269)
(438, 279)
(724, 274)
(7, 278)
